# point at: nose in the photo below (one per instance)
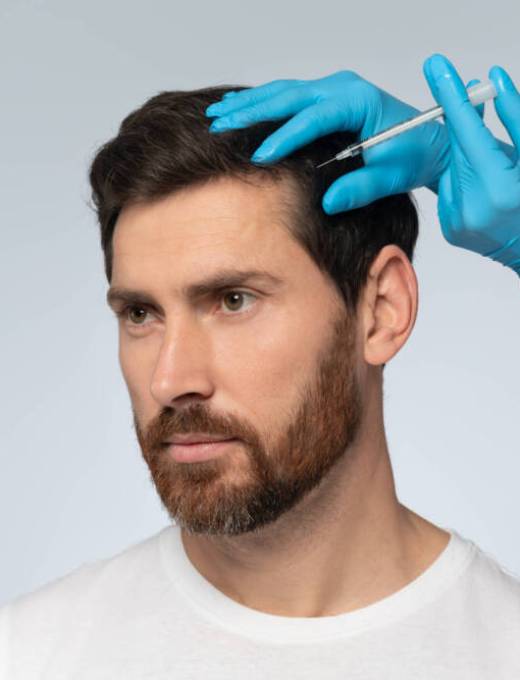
(182, 368)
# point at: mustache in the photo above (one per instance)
(195, 419)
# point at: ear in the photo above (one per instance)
(388, 305)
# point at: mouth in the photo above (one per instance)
(196, 438)
(193, 452)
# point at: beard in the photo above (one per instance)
(262, 478)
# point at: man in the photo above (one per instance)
(249, 317)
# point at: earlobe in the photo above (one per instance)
(389, 305)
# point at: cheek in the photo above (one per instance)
(270, 362)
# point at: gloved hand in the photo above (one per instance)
(339, 102)
(479, 191)
(421, 157)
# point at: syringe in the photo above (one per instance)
(477, 94)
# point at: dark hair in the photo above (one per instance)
(165, 145)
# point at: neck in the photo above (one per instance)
(349, 543)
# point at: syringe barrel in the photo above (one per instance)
(477, 94)
(481, 92)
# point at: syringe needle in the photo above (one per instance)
(477, 94)
(329, 161)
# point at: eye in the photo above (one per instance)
(233, 295)
(130, 309)
(233, 298)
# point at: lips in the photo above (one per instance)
(196, 439)
(196, 453)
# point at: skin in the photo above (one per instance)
(299, 517)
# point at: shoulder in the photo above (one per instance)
(46, 613)
(494, 578)
(492, 595)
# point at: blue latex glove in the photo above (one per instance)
(425, 156)
(340, 102)
(479, 192)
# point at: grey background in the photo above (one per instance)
(73, 486)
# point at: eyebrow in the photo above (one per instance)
(226, 278)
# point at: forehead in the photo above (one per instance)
(220, 221)
(180, 245)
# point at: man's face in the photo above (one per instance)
(270, 364)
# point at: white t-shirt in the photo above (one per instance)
(147, 613)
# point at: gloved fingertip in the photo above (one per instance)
(332, 205)
(328, 206)
(259, 160)
(432, 56)
(219, 125)
(264, 154)
(437, 60)
(501, 79)
(439, 66)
